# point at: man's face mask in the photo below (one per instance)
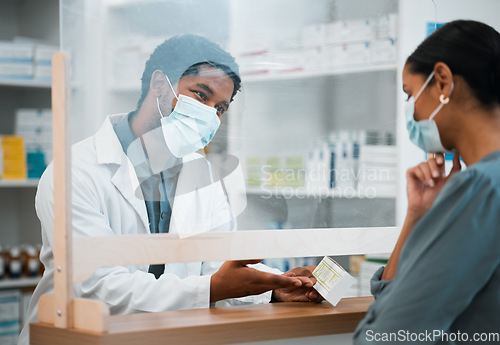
(190, 126)
(425, 133)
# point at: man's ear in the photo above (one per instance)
(444, 78)
(157, 83)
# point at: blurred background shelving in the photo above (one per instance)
(31, 24)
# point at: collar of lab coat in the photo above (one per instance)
(110, 151)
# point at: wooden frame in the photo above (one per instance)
(77, 320)
(239, 245)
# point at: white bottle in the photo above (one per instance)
(344, 171)
(355, 140)
(311, 168)
(334, 145)
(324, 168)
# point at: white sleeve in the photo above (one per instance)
(124, 289)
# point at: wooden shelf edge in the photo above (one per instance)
(31, 83)
(18, 283)
(31, 182)
(217, 325)
(272, 77)
(372, 192)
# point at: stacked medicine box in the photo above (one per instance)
(9, 316)
(16, 61)
(43, 62)
(378, 166)
(25, 60)
(35, 126)
(324, 47)
(348, 43)
(348, 163)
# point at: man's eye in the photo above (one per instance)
(220, 110)
(201, 95)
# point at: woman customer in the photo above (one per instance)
(442, 281)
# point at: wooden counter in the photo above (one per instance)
(227, 325)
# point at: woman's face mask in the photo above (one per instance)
(425, 133)
(190, 127)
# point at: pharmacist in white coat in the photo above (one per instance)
(143, 172)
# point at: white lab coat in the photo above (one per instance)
(105, 202)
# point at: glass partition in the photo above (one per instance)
(309, 140)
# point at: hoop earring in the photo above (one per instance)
(444, 100)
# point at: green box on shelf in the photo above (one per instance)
(254, 173)
(294, 173)
(274, 175)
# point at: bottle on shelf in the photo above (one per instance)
(41, 266)
(31, 262)
(2, 263)
(15, 262)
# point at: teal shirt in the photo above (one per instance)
(448, 275)
(158, 189)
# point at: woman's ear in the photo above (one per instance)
(444, 78)
(157, 83)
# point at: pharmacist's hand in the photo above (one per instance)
(235, 279)
(425, 181)
(304, 293)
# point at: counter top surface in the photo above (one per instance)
(226, 325)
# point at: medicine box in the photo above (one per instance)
(287, 61)
(333, 282)
(385, 27)
(15, 53)
(383, 50)
(313, 58)
(253, 63)
(294, 172)
(358, 53)
(35, 125)
(43, 54)
(254, 171)
(356, 30)
(43, 73)
(13, 157)
(334, 32)
(273, 172)
(314, 35)
(335, 56)
(33, 117)
(18, 71)
(9, 316)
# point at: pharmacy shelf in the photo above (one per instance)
(265, 192)
(298, 75)
(125, 3)
(26, 83)
(19, 283)
(264, 77)
(19, 183)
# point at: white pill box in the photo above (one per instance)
(333, 282)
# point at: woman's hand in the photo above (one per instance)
(304, 293)
(425, 181)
